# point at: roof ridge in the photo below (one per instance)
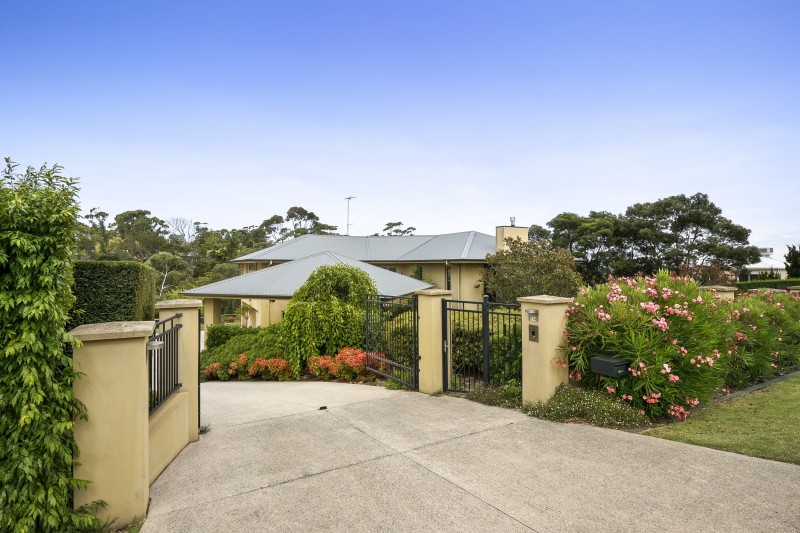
(426, 241)
(468, 245)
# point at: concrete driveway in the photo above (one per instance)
(380, 460)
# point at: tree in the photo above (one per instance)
(530, 268)
(139, 235)
(171, 270)
(793, 261)
(38, 223)
(395, 229)
(539, 233)
(678, 233)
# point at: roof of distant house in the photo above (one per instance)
(464, 246)
(766, 263)
(281, 281)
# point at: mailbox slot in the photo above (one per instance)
(606, 365)
(533, 333)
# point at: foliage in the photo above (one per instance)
(326, 313)
(768, 284)
(508, 395)
(171, 270)
(530, 268)
(240, 367)
(792, 261)
(770, 274)
(219, 334)
(577, 404)
(38, 221)
(349, 364)
(110, 291)
(265, 343)
(682, 344)
(672, 233)
(395, 229)
(270, 369)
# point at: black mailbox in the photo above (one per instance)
(614, 367)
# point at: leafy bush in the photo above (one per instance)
(326, 314)
(578, 404)
(671, 333)
(219, 334)
(270, 369)
(508, 395)
(783, 284)
(265, 343)
(38, 222)
(349, 364)
(110, 291)
(683, 344)
(767, 337)
(240, 367)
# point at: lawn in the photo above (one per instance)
(765, 423)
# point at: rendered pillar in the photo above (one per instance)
(540, 373)
(429, 304)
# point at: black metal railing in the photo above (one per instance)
(392, 341)
(162, 371)
(482, 344)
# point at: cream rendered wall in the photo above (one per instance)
(267, 311)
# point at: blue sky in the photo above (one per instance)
(446, 115)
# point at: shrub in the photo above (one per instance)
(672, 334)
(349, 364)
(782, 284)
(505, 344)
(239, 367)
(322, 367)
(265, 343)
(219, 334)
(270, 369)
(110, 291)
(38, 223)
(508, 395)
(326, 313)
(215, 371)
(577, 404)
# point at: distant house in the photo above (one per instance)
(765, 265)
(399, 265)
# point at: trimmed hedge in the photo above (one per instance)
(110, 291)
(768, 284)
(258, 343)
(219, 334)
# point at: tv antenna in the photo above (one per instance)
(348, 213)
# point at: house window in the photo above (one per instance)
(416, 272)
(391, 269)
(447, 277)
(252, 267)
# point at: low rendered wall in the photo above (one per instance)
(169, 430)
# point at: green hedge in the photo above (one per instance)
(110, 291)
(768, 284)
(219, 334)
(265, 343)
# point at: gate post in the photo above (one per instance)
(188, 354)
(429, 305)
(544, 320)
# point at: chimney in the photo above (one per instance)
(504, 232)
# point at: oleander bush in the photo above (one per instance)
(683, 344)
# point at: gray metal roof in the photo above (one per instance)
(464, 246)
(280, 281)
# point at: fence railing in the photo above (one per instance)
(482, 344)
(392, 339)
(162, 350)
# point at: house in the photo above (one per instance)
(767, 264)
(399, 265)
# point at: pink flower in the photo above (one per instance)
(611, 390)
(673, 378)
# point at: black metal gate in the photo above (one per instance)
(481, 344)
(162, 374)
(392, 343)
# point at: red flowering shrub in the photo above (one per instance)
(214, 371)
(270, 369)
(322, 367)
(239, 367)
(351, 363)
